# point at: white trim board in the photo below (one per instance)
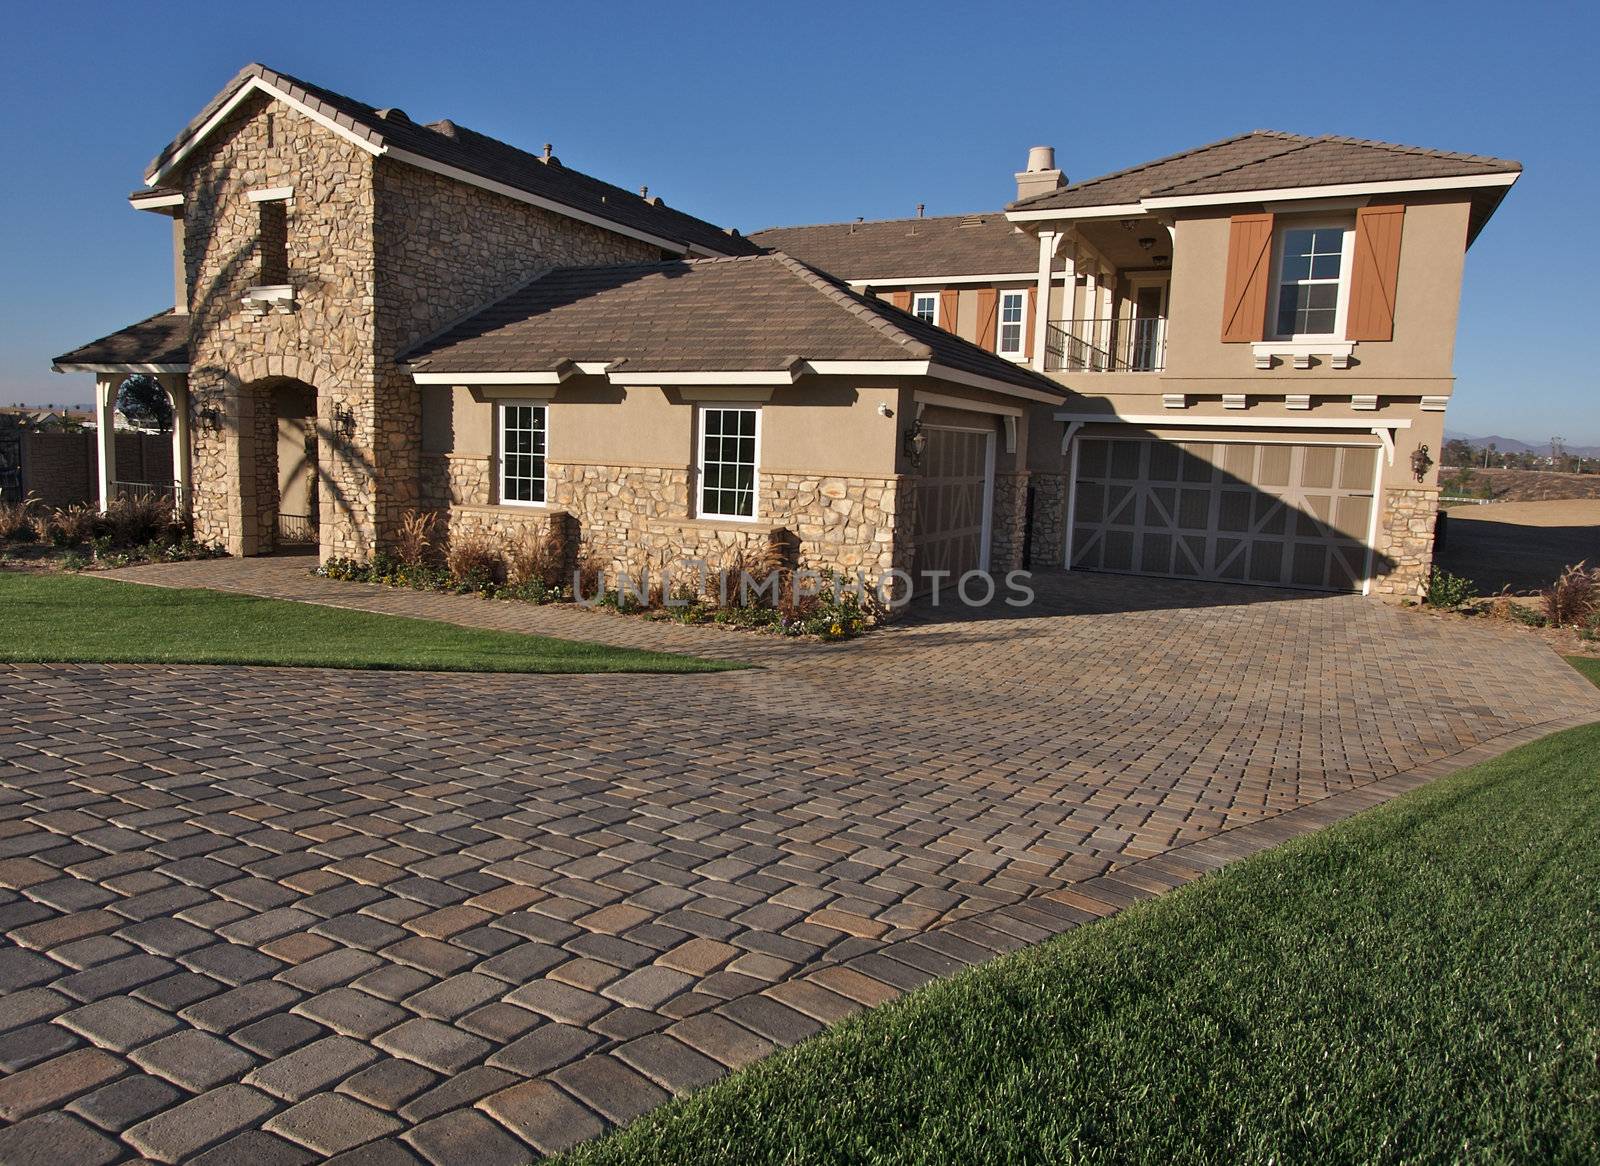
(947, 280)
(1191, 421)
(150, 202)
(111, 369)
(947, 402)
(1283, 194)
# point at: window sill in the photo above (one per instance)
(709, 523)
(270, 298)
(1300, 352)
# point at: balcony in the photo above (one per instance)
(1129, 344)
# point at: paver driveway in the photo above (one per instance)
(276, 915)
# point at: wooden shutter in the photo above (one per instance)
(988, 311)
(901, 300)
(1376, 272)
(949, 304)
(1244, 297)
(1028, 308)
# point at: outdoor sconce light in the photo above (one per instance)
(916, 444)
(210, 419)
(1146, 242)
(344, 424)
(1420, 462)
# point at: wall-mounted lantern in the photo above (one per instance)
(1420, 462)
(916, 444)
(209, 419)
(344, 424)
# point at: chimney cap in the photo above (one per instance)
(1041, 158)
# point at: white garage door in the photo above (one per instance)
(1278, 514)
(953, 494)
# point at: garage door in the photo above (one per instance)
(953, 500)
(1244, 512)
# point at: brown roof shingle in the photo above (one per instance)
(478, 154)
(159, 339)
(746, 314)
(978, 244)
(1266, 160)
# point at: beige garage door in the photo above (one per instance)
(953, 500)
(1243, 512)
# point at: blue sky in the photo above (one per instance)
(756, 115)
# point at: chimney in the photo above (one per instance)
(1041, 174)
(920, 209)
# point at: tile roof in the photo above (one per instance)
(747, 314)
(446, 143)
(978, 244)
(159, 339)
(1266, 160)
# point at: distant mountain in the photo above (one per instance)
(1515, 445)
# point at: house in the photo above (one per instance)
(1257, 337)
(1219, 365)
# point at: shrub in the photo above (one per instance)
(141, 518)
(473, 561)
(1504, 606)
(72, 526)
(532, 563)
(415, 538)
(1447, 590)
(1574, 598)
(19, 521)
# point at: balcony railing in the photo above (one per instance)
(1124, 345)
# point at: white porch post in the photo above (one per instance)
(178, 389)
(1091, 310)
(105, 416)
(1041, 298)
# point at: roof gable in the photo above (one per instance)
(1266, 160)
(458, 153)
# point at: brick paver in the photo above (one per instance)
(273, 915)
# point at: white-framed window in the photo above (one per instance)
(1313, 281)
(925, 306)
(522, 452)
(1012, 328)
(730, 443)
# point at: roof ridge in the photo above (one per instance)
(1401, 148)
(999, 214)
(1127, 170)
(1301, 145)
(852, 303)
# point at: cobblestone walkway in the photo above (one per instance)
(280, 915)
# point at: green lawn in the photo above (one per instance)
(1588, 665)
(51, 617)
(1418, 984)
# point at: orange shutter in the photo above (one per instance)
(1027, 345)
(948, 305)
(1376, 274)
(901, 300)
(1244, 297)
(988, 309)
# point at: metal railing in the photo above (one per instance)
(166, 491)
(297, 529)
(1116, 345)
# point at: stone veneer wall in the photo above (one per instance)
(1050, 495)
(637, 516)
(445, 249)
(1404, 547)
(327, 341)
(1008, 522)
(381, 255)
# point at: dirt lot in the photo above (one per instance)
(1524, 485)
(1521, 544)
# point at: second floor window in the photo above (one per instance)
(1013, 323)
(522, 446)
(925, 306)
(273, 241)
(1311, 271)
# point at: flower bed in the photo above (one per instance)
(138, 529)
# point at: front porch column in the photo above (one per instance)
(1091, 310)
(177, 387)
(1041, 298)
(105, 417)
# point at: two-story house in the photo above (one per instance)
(1230, 364)
(1257, 335)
